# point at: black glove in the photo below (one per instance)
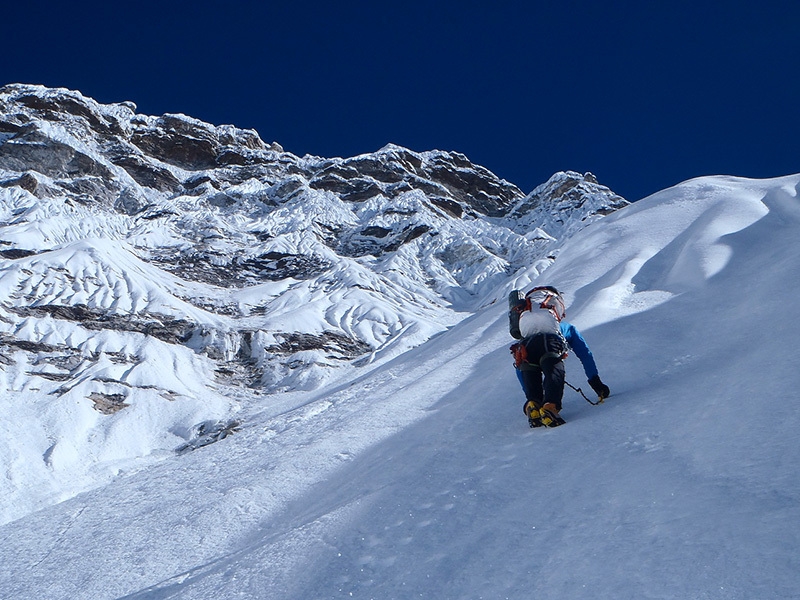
(600, 388)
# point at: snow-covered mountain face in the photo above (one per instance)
(160, 272)
(423, 479)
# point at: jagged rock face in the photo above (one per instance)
(449, 180)
(276, 267)
(146, 147)
(567, 202)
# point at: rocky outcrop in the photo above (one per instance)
(449, 180)
(565, 203)
(167, 329)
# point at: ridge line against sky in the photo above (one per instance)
(642, 96)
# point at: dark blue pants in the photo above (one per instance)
(542, 379)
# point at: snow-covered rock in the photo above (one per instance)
(422, 479)
(161, 259)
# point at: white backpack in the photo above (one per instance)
(542, 313)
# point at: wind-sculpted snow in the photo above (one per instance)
(163, 266)
(421, 478)
(680, 236)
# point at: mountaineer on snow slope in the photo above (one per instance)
(537, 319)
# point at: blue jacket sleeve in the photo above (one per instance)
(580, 348)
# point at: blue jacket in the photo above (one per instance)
(580, 348)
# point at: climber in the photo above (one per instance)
(537, 320)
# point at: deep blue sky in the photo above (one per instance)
(643, 94)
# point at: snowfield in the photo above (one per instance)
(420, 478)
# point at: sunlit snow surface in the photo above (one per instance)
(421, 479)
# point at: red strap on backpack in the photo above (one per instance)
(552, 302)
(520, 353)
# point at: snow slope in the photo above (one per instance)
(422, 479)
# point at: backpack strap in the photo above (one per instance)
(552, 301)
(519, 351)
